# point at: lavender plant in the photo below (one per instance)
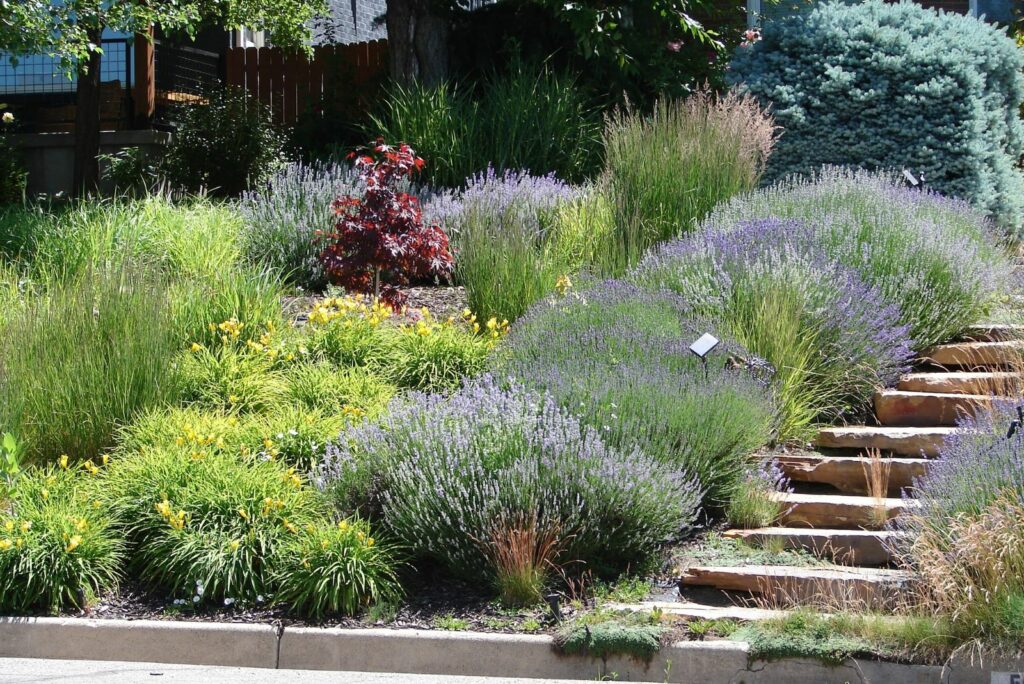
(503, 231)
(831, 338)
(283, 216)
(618, 357)
(451, 472)
(965, 539)
(936, 258)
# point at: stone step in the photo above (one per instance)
(975, 354)
(849, 474)
(847, 547)
(926, 409)
(994, 332)
(835, 511)
(839, 587)
(1002, 383)
(906, 441)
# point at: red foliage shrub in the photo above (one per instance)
(380, 241)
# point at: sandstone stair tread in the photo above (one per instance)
(964, 382)
(850, 474)
(798, 584)
(837, 511)
(926, 409)
(975, 354)
(847, 547)
(907, 441)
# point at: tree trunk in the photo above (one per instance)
(417, 42)
(87, 122)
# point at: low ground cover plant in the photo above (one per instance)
(507, 483)
(937, 259)
(666, 171)
(830, 338)
(964, 136)
(618, 356)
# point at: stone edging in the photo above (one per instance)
(432, 652)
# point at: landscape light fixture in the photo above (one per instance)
(702, 347)
(909, 176)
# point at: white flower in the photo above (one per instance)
(228, 601)
(8, 118)
(196, 599)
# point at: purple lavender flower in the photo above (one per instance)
(449, 468)
(619, 357)
(769, 283)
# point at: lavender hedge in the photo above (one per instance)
(618, 356)
(446, 470)
(831, 338)
(937, 259)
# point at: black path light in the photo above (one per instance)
(704, 345)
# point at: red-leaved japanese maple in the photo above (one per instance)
(380, 241)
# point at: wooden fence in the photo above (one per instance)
(290, 82)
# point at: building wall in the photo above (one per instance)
(351, 21)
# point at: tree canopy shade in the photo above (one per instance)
(71, 31)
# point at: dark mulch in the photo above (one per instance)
(427, 605)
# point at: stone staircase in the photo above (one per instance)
(838, 510)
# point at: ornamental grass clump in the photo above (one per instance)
(504, 229)
(284, 217)
(466, 479)
(58, 547)
(341, 568)
(831, 338)
(666, 171)
(935, 258)
(618, 357)
(965, 539)
(83, 358)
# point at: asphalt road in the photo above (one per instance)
(26, 671)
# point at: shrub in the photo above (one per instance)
(205, 525)
(294, 436)
(935, 258)
(284, 217)
(530, 118)
(665, 171)
(336, 569)
(58, 549)
(619, 357)
(380, 240)
(225, 145)
(83, 359)
(830, 338)
(883, 85)
(454, 471)
(503, 229)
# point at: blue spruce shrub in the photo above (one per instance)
(881, 85)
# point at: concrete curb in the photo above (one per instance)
(439, 653)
